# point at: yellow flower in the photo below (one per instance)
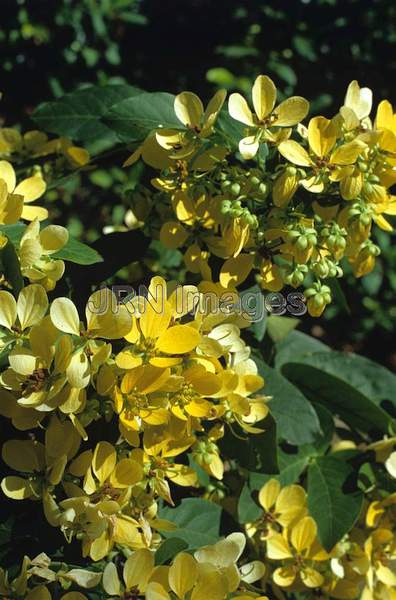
(43, 465)
(380, 549)
(29, 189)
(155, 336)
(105, 477)
(138, 572)
(35, 250)
(287, 113)
(326, 161)
(359, 100)
(282, 507)
(301, 554)
(105, 317)
(133, 401)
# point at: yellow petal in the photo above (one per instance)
(359, 99)
(22, 361)
(248, 147)
(29, 213)
(16, 488)
(211, 584)
(212, 110)
(263, 96)
(104, 461)
(173, 234)
(278, 548)
(64, 316)
(347, 153)
(269, 493)
(384, 118)
(311, 578)
(321, 136)
(110, 580)
(155, 591)
(53, 238)
(127, 472)
(295, 153)
(105, 317)
(284, 576)
(156, 317)
(78, 370)
(189, 109)
(284, 188)
(179, 339)
(8, 309)
(138, 569)
(239, 109)
(7, 173)
(303, 534)
(23, 455)
(31, 188)
(291, 498)
(32, 305)
(182, 574)
(291, 111)
(235, 270)
(40, 592)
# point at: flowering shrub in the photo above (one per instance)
(182, 447)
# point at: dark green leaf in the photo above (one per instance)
(79, 253)
(295, 346)
(296, 420)
(198, 522)
(77, 115)
(353, 386)
(13, 232)
(168, 549)
(134, 118)
(10, 267)
(333, 498)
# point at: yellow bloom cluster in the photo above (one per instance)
(118, 411)
(212, 572)
(298, 201)
(180, 368)
(361, 565)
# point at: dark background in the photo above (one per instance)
(311, 47)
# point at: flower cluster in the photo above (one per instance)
(181, 376)
(359, 566)
(115, 417)
(291, 209)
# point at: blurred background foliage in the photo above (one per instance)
(310, 47)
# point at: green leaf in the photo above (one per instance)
(10, 267)
(13, 232)
(297, 345)
(77, 252)
(77, 115)
(333, 498)
(198, 522)
(296, 420)
(134, 118)
(257, 311)
(278, 328)
(248, 509)
(357, 389)
(231, 129)
(168, 549)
